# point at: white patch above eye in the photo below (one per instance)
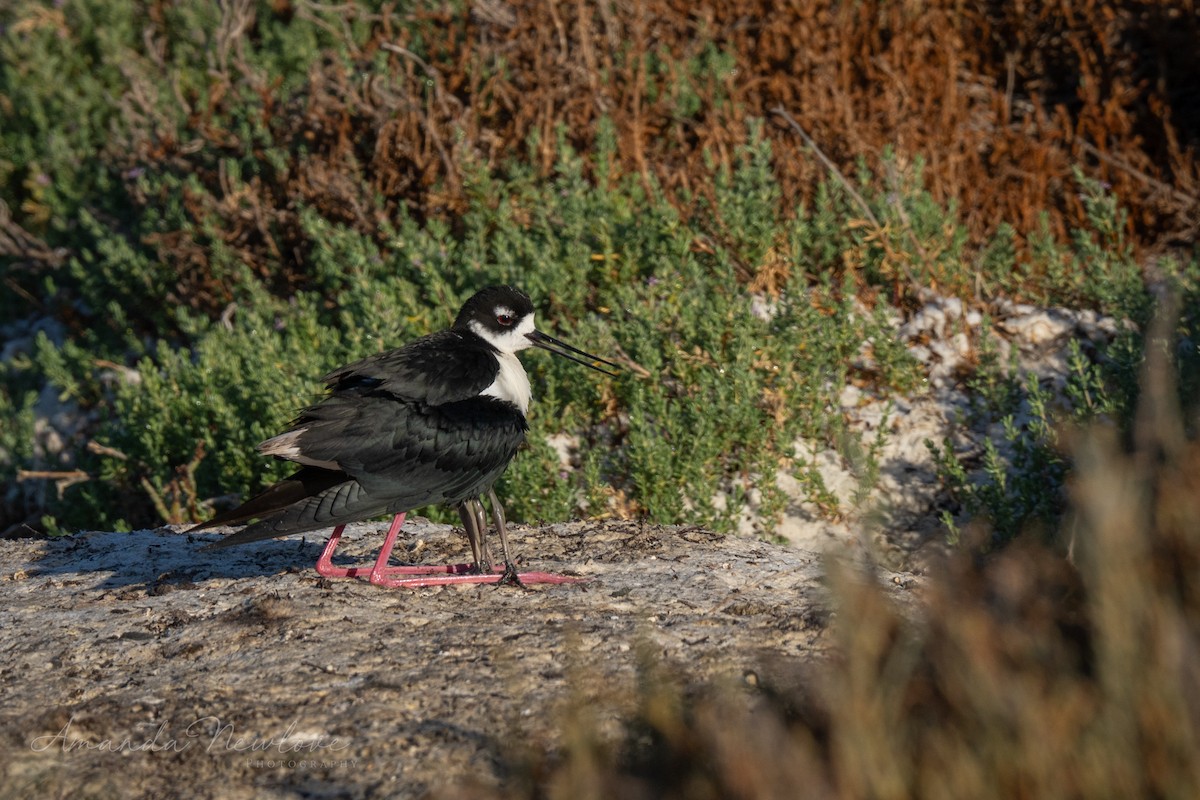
(504, 311)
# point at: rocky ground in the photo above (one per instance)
(136, 663)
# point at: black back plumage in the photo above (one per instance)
(397, 430)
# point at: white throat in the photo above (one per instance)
(511, 384)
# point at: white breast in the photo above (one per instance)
(511, 384)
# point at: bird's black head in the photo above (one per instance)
(496, 310)
(503, 317)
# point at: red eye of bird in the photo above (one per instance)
(504, 319)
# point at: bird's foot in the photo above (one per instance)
(510, 577)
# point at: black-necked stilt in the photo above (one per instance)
(435, 421)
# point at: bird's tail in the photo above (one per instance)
(280, 509)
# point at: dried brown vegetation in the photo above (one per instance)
(1000, 100)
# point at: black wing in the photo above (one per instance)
(443, 367)
(395, 407)
(412, 454)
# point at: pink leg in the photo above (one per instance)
(430, 575)
(325, 567)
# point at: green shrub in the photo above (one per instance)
(1018, 484)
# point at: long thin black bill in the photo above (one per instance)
(563, 349)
